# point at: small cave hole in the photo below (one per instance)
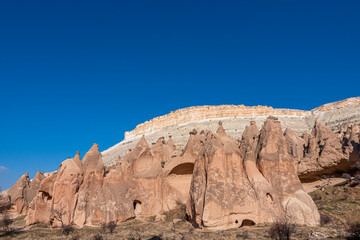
(247, 222)
(269, 197)
(137, 207)
(236, 221)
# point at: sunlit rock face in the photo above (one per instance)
(235, 118)
(23, 192)
(231, 188)
(224, 182)
(147, 182)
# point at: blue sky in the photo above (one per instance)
(77, 72)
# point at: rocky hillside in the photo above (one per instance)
(221, 182)
(179, 123)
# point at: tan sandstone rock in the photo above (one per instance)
(258, 183)
(323, 153)
(24, 191)
(66, 185)
(224, 183)
(278, 168)
(40, 208)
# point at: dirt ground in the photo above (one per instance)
(338, 204)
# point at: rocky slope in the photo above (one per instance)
(223, 182)
(235, 118)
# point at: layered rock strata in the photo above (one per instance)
(224, 182)
(235, 118)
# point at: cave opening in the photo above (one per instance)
(183, 169)
(247, 222)
(137, 207)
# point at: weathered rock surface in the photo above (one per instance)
(65, 189)
(145, 183)
(224, 182)
(278, 168)
(322, 152)
(229, 191)
(235, 119)
(40, 209)
(24, 191)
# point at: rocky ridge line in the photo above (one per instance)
(224, 183)
(235, 118)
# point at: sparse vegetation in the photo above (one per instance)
(151, 218)
(67, 229)
(324, 219)
(103, 227)
(111, 226)
(97, 236)
(5, 221)
(282, 229)
(330, 201)
(177, 213)
(59, 213)
(340, 202)
(244, 235)
(353, 231)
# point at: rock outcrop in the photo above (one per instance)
(223, 183)
(145, 183)
(40, 209)
(235, 176)
(322, 152)
(24, 191)
(228, 190)
(278, 168)
(235, 119)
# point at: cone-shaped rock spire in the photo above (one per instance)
(220, 129)
(91, 159)
(142, 143)
(76, 159)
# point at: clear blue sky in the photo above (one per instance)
(73, 73)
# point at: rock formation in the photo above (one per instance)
(24, 191)
(224, 182)
(40, 209)
(322, 152)
(145, 183)
(235, 119)
(228, 190)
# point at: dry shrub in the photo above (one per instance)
(103, 227)
(282, 229)
(67, 229)
(353, 231)
(5, 221)
(324, 219)
(75, 237)
(111, 226)
(177, 213)
(316, 196)
(97, 236)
